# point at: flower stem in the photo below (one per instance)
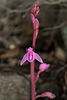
(32, 82)
(32, 70)
(38, 96)
(37, 77)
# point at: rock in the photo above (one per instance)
(14, 87)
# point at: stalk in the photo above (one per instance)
(32, 70)
(32, 82)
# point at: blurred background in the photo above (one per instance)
(16, 35)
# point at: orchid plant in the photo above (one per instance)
(30, 56)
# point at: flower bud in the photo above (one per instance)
(48, 94)
(35, 10)
(43, 67)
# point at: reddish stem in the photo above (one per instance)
(32, 82)
(32, 70)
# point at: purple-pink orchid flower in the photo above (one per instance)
(43, 67)
(31, 56)
(46, 94)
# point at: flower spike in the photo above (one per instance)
(31, 56)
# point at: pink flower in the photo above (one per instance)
(48, 94)
(43, 67)
(35, 10)
(34, 21)
(31, 56)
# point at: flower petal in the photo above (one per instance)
(37, 23)
(32, 18)
(30, 49)
(23, 59)
(48, 94)
(37, 57)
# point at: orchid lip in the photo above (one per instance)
(30, 56)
